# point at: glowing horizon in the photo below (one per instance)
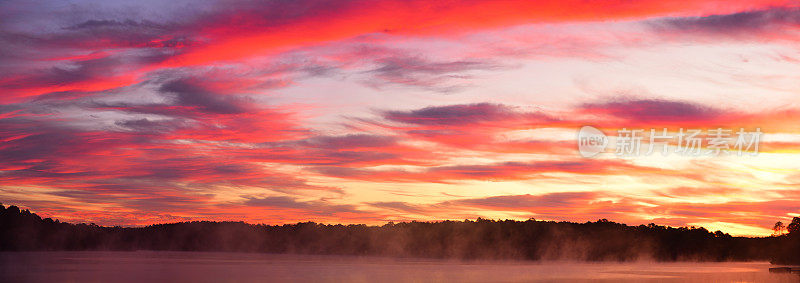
(376, 111)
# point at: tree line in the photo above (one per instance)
(603, 240)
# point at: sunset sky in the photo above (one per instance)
(139, 112)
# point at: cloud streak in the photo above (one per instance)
(368, 111)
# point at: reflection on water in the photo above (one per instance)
(236, 267)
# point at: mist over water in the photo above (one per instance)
(163, 266)
(43, 250)
(468, 240)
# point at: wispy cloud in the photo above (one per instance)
(364, 111)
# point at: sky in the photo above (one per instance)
(135, 113)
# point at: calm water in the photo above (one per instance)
(235, 267)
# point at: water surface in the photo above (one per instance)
(148, 266)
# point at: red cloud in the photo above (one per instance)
(492, 172)
(325, 21)
(79, 121)
(657, 113)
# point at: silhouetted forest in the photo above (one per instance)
(482, 239)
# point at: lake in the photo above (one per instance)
(150, 266)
